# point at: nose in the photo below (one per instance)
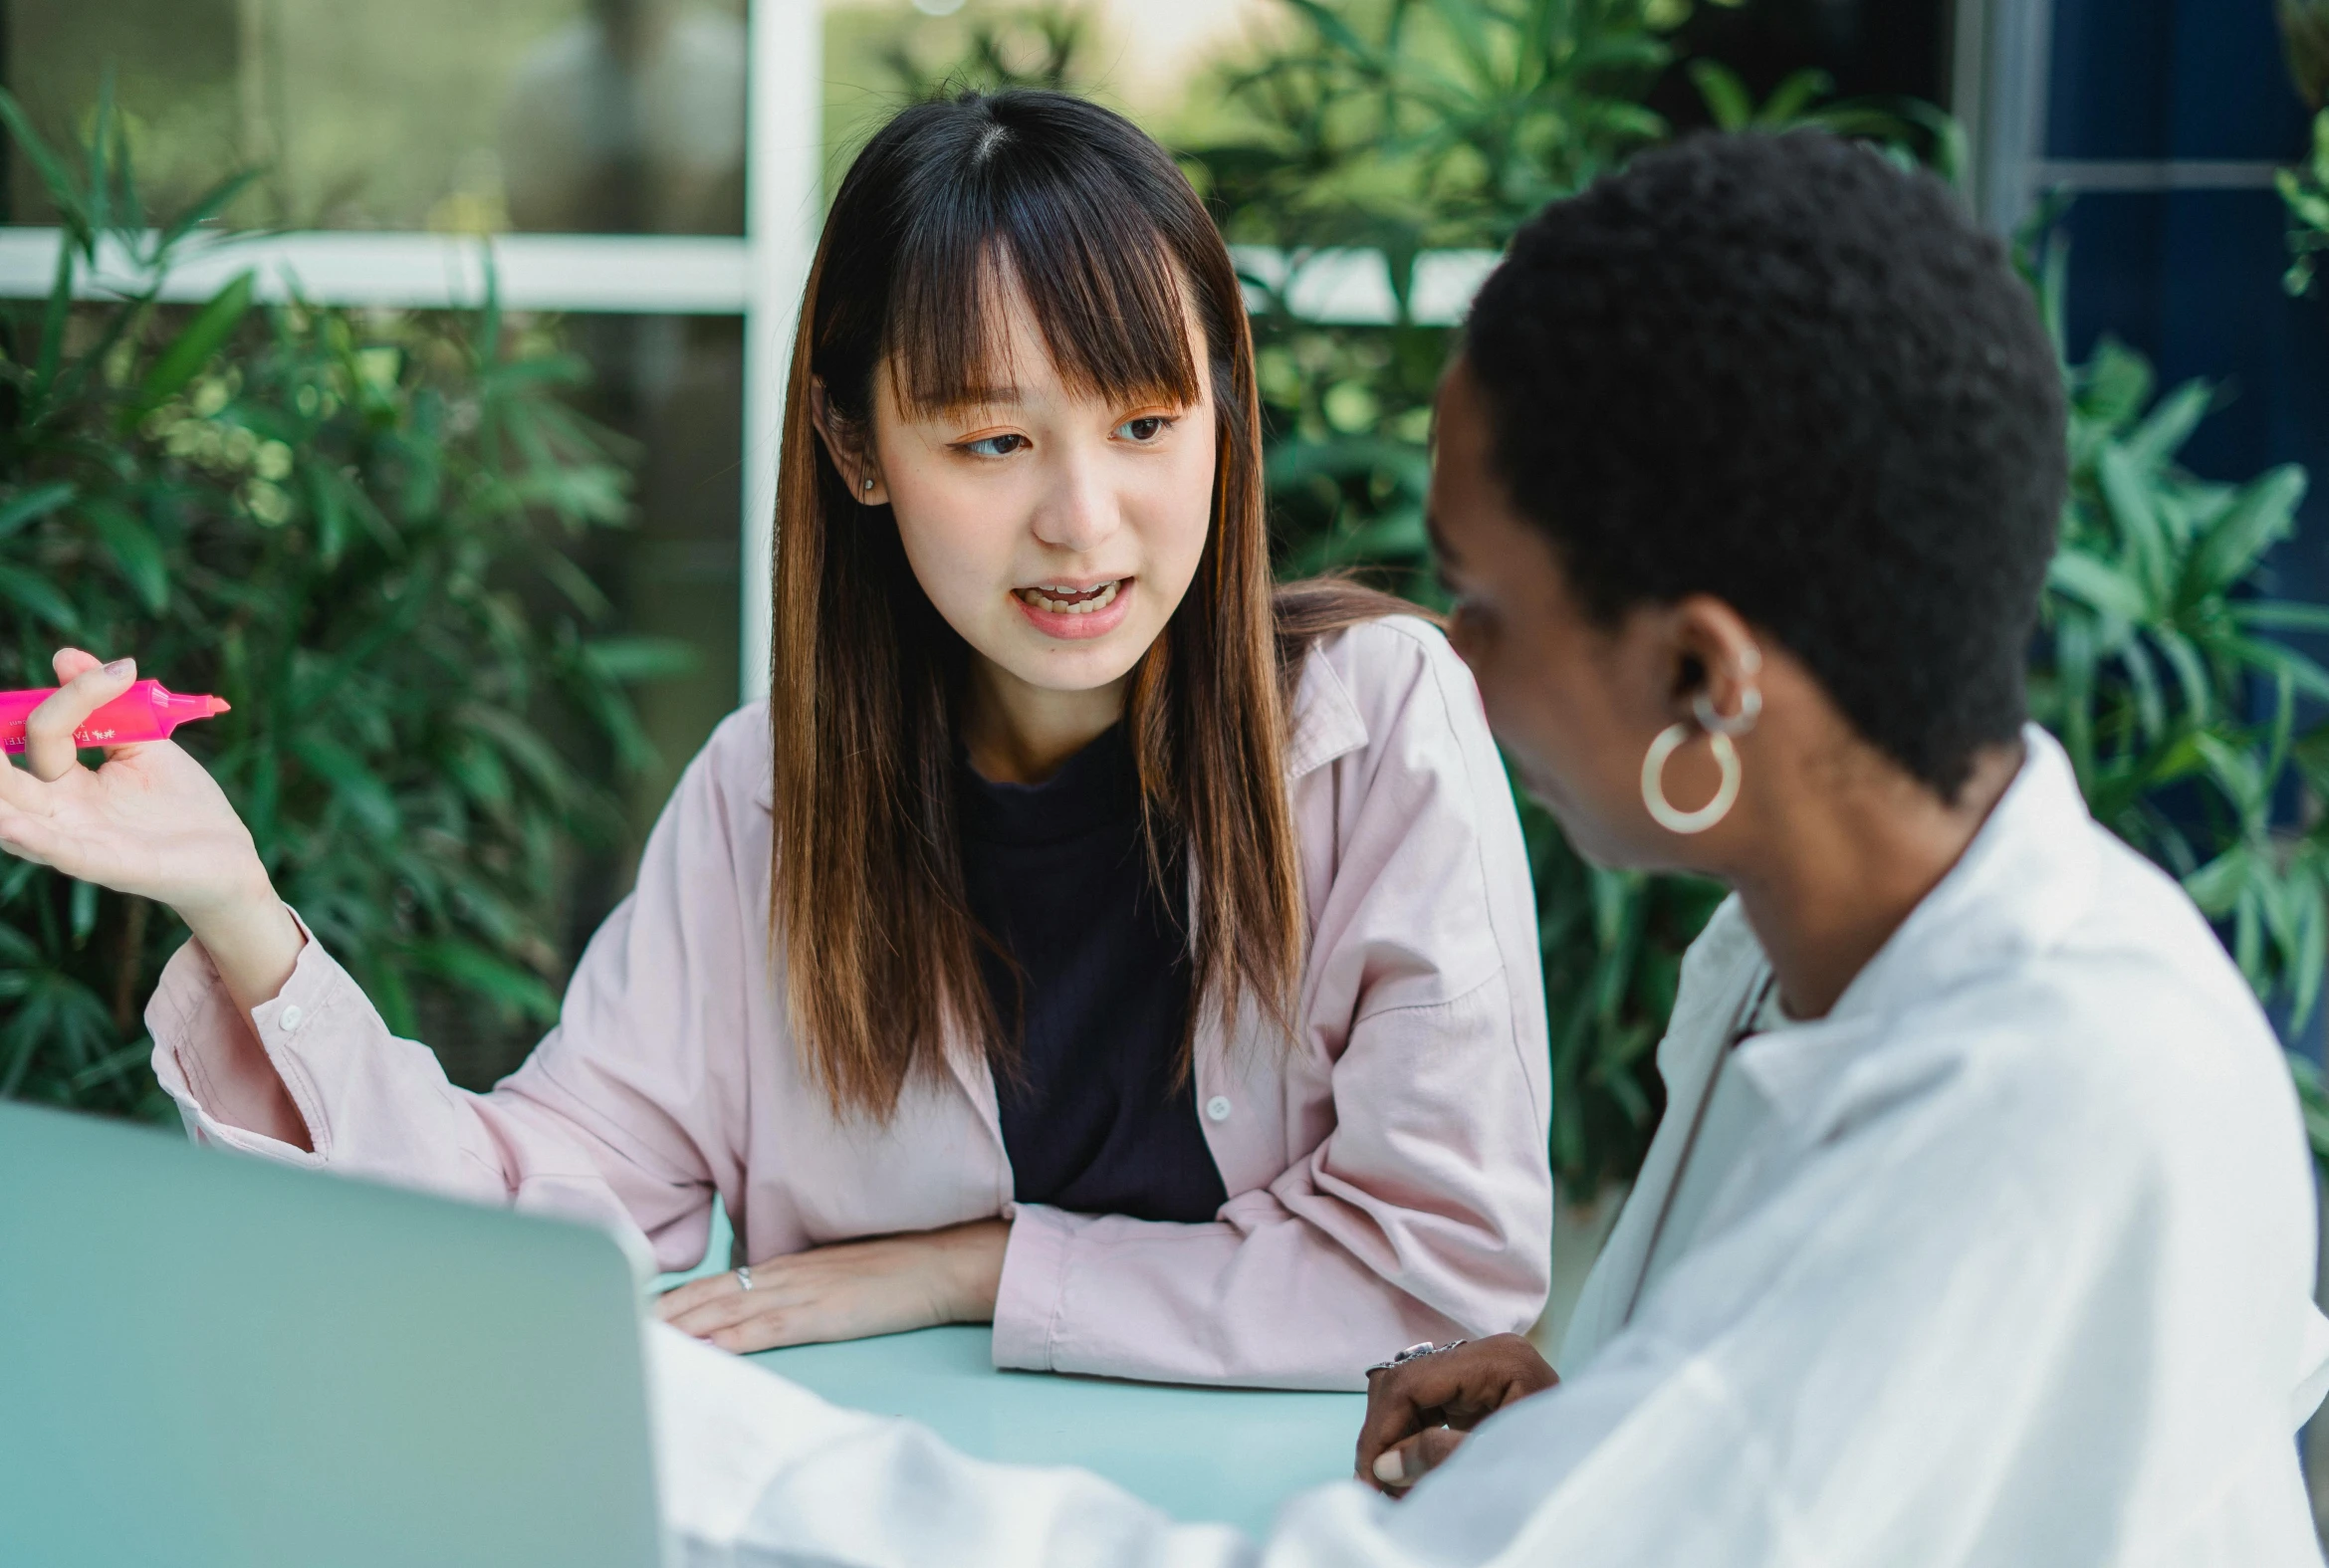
(1079, 512)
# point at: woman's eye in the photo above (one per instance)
(995, 445)
(1144, 429)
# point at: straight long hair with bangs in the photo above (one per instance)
(950, 202)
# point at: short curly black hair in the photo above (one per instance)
(1783, 372)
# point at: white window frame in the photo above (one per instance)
(2000, 64)
(758, 276)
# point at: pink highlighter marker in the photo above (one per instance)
(144, 712)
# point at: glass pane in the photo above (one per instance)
(1151, 62)
(617, 117)
(673, 387)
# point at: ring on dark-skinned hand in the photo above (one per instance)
(1414, 1352)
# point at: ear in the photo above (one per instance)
(849, 456)
(1717, 656)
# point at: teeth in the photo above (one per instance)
(1038, 598)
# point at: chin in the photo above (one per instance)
(1536, 782)
(1590, 844)
(1079, 669)
(1585, 833)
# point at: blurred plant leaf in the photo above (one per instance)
(354, 526)
(202, 338)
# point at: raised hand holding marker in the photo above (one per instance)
(145, 712)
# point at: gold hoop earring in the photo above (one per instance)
(1662, 811)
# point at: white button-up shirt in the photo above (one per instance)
(2018, 1270)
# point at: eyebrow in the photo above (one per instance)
(985, 398)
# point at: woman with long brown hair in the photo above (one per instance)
(1085, 936)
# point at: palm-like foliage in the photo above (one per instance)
(1440, 122)
(1908, 129)
(2162, 672)
(351, 527)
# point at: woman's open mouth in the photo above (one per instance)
(1074, 610)
(1060, 600)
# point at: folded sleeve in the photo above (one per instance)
(754, 1469)
(1420, 1208)
(758, 1472)
(617, 1116)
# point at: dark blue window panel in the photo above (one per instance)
(2193, 280)
(2140, 80)
(2112, 78)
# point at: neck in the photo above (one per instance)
(1021, 734)
(1836, 876)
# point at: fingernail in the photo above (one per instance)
(1390, 1468)
(121, 666)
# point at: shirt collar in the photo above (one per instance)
(1326, 722)
(2017, 888)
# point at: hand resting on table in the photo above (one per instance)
(849, 1291)
(1419, 1411)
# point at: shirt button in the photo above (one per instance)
(290, 1017)
(1217, 1108)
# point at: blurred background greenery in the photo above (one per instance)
(431, 557)
(358, 530)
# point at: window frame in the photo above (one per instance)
(756, 276)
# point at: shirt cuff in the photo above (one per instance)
(724, 1432)
(1033, 1288)
(192, 1006)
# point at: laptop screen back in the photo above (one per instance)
(209, 1361)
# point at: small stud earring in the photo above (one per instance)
(868, 485)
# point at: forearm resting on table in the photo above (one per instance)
(254, 944)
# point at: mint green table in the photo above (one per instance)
(1227, 1454)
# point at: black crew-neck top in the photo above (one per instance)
(1058, 874)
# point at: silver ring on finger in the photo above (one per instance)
(744, 1277)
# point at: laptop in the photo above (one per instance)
(207, 1361)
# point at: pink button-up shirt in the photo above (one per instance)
(1387, 1167)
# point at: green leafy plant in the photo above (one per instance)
(2162, 672)
(351, 526)
(1911, 130)
(1431, 122)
